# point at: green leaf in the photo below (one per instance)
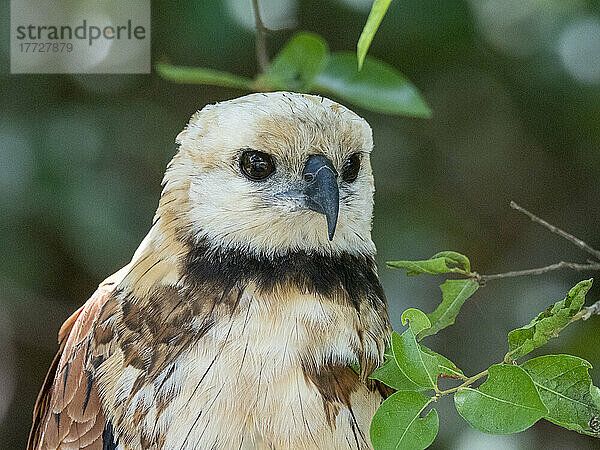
(420, 367)
(547, 324)
(408, 365)
(566, 389)
(195, 75)
(378, 10)
(454, 295)
(377, 87)
(445, 366)
(507, 402)
(435, 265)
(298, 63)
(416, 319)
(398, 424)
(455, 260)
(390, 374)
(443, 262)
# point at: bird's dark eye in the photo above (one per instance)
(256, 165)
(351, 168)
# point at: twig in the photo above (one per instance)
(482, 279)
(591, 264)
(468, 382)
(261, 39)
(569, 237)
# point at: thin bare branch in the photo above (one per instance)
(482, 279)
(569, 237)
(261, 39)
(591, 265)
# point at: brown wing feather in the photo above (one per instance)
(68, 413)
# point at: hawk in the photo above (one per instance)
(251, 314)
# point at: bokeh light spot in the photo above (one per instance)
(579, 50)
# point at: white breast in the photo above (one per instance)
(243, 386)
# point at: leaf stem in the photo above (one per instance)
(468, 382)
(261, 39)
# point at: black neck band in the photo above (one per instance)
(313, 273)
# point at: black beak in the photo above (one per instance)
(321, 191)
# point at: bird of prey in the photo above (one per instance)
(251, 314)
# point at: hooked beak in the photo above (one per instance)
(321, 192)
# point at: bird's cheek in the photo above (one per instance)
(289, 200)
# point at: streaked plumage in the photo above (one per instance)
(237, 320)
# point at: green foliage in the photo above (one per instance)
(419, 367)
(511, 399)
(410, 366)
(507, 402)
(447, 368)
(547, 324)
(378, 10)
(442, 262)
(454, 295)
(195, 75)
(305, 65)
(391, 374)
(454, 292)
(455, 260)
(398, 424)
(378, 86)
(566, 389)
(297, 64)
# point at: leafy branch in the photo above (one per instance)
(454, 262)
(305, 64)
(514, 395)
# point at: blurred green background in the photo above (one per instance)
(514, 86)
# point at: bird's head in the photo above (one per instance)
(272, 173)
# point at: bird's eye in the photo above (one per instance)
(256, 165)
(351, 168)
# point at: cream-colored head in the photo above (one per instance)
(206, 188)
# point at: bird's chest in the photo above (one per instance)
(251, 381)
